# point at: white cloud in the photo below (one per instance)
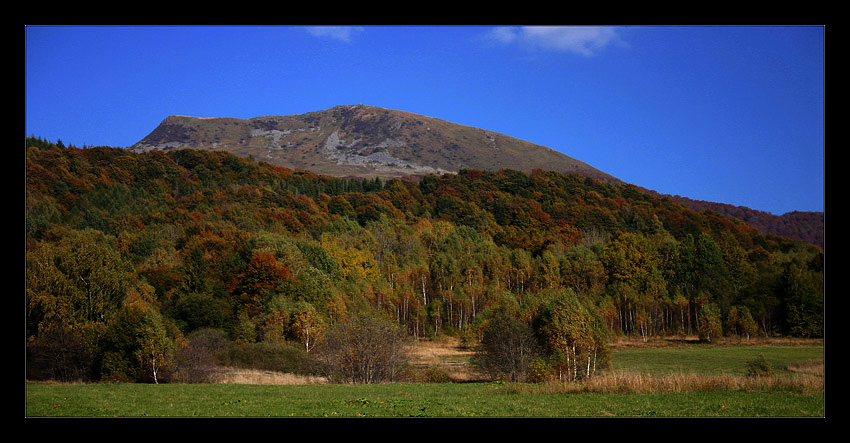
(584, 40)
(504, 34)
(341, 33)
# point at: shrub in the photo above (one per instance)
(759, 367)
(540, 371)
(436, 375)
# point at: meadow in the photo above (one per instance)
(644, 381)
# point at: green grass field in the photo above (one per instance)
(709, 360)
(459, 399)
(399, 400)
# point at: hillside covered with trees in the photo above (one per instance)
(135, 262)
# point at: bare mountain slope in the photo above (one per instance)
(362, 141)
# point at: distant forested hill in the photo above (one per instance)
(800, 225)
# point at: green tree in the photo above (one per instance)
(628, 259)
(196, 311)
(548, 270)
(81, 279)
(740, 322)
(575, 332)
(507, 348)
(710, 326)
(244, 329)
(710, 269)
(339, 205)
(155, 348)
(582, 271)
(802, 296)
(119, 347)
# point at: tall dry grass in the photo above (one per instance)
(260, 377)
(626, 383)
(811, 367)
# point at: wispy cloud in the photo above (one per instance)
(341, 33)
(583, 40)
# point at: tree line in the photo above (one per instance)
(133, 261)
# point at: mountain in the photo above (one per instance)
(362, 141)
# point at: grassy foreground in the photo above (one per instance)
(401, 400)
(677, 381)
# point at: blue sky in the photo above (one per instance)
(725, 114)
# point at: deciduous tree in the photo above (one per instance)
(307, 325)
(570, 329)
(155, 349)
(507, 348)
(710, 326)
(366, 348)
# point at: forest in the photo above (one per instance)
(136, 262)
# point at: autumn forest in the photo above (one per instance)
(132, 258)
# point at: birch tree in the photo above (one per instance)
(307, 326)
(155, 351)
(573, 332)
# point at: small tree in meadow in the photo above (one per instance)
(507, 348)
(155, 348)
(365, 348)
(710, 326)
(740, 322)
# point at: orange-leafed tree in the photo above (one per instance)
(262, 278)
(307, 325)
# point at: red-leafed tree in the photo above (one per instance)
(262, 278)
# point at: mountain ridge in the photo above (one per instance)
(362, 140)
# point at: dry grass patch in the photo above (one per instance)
(437, 351)
(811, 367)
(636, 383)
(261, 377)
(678, 383)
(447, 355)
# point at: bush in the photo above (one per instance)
(436, 375)
(759, 367)
(540, 371)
